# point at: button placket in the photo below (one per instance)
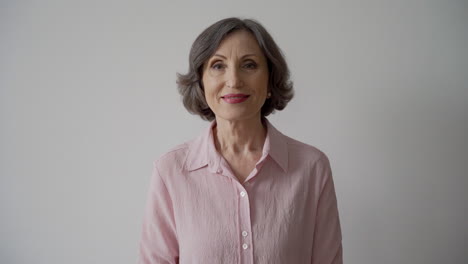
(245, 227)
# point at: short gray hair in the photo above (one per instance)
(190, 85)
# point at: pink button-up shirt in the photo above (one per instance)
(285, 211)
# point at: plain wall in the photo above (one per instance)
(88, 100)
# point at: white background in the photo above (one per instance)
(88, 100)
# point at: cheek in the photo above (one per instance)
(210, 88)
(262, 83)
(211, 85)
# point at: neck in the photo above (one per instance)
(239, 137)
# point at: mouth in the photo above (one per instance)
(235, 98)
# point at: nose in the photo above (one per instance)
(233, 78)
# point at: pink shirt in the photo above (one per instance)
(285, 211)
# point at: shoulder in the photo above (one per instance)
(178, 159)
(309, 159)
(300, 150)
(173, 158)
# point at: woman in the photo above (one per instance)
(242, 192)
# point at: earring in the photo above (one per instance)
(268, 95)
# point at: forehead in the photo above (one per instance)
(240, 41)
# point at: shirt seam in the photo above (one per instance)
(172, 203)
(322, 157)
(320, 192)
(328, 176)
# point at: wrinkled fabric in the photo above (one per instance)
(284, 212)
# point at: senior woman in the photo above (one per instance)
(241, 192)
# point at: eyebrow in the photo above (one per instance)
(246, 55)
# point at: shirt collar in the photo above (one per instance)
(202, 151)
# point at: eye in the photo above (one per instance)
(250, 65)
(217, 66)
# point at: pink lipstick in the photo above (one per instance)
(235, 98)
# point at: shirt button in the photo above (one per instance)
(244, 233)
(242, 193)
(219, 170)
(245, 246)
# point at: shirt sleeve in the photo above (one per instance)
(159, 238)
(327, 245)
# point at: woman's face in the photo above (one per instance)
(235, 78)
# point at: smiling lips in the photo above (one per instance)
(235, 98)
